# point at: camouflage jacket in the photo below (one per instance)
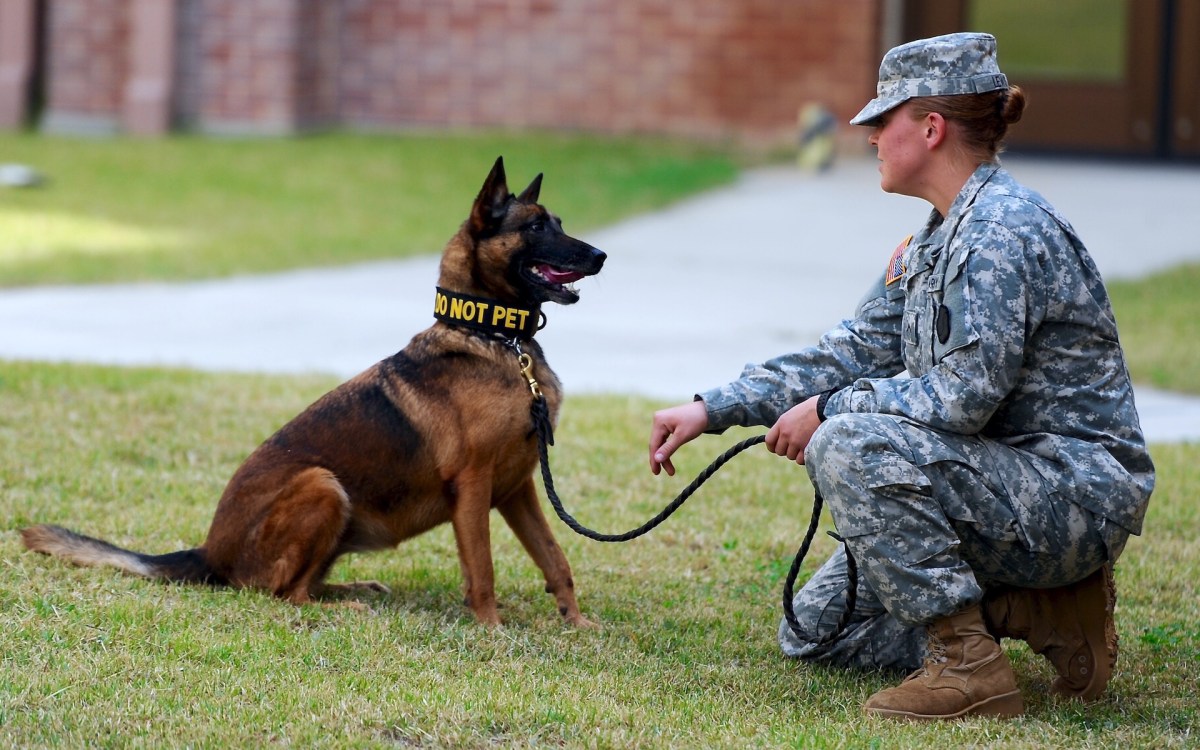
(991, 322)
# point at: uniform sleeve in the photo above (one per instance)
(866, 346)
(988, 307)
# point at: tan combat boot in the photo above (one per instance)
(965, 674)
(1072, 626)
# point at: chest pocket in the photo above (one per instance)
(918, 316)
(937, 312)
(952, 324)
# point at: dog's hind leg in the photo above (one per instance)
(524, 515)
(299, 538)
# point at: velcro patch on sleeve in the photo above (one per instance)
(895, 268)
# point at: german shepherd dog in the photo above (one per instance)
(441, 431)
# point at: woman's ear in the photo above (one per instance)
(936, 130)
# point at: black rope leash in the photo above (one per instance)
(545, 434)
(789, 583)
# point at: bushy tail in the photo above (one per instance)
(185, 566)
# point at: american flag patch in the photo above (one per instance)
(895, 269)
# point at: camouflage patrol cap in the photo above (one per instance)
(963, 63)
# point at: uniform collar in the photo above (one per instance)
(938, 228)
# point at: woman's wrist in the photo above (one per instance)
(822, 399)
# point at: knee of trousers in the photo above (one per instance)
(851, 452)
(870, 476)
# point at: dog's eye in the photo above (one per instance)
(537, 226)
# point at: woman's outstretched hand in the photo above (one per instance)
(672, 428)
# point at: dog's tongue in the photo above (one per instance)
(557, 275)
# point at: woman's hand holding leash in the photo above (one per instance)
(791, 432)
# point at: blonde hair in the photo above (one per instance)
(984, 118)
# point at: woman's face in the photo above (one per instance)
(899, 141)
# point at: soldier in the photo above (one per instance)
(972, 428)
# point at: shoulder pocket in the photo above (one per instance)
(874, 297)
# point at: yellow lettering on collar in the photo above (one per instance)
(485, 315)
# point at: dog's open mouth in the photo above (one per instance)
(559, 277)
(557, 282)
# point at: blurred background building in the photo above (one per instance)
(1118, 77)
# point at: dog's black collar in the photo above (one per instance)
(487, 315)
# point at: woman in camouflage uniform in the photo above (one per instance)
(972, 428)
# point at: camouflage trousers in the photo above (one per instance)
(933, 519)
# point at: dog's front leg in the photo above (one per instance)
(524, 515)
(472, 505)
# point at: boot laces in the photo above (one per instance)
(936, 649)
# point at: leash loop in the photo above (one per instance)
(541, 420)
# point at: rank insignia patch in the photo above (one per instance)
(895, 269)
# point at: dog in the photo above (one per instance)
(439, 432)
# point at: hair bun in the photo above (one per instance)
(1013, 105)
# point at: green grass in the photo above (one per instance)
(686, 657)
(189, 207)
(1159, 319)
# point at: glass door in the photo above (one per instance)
(1094, 71)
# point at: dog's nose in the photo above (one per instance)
(599, 256)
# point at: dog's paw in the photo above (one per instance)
(358, 607)
(358, 587)
(577, 620)
(351, 604)
(491, 622)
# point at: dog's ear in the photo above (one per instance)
(491, 202)
(530, 194)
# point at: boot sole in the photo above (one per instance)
(1103, 646)
(1005, 706)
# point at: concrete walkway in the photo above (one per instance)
(688, 296)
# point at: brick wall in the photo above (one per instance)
(248, 61)
(87, 66)
(736, 69)
(707, 68)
